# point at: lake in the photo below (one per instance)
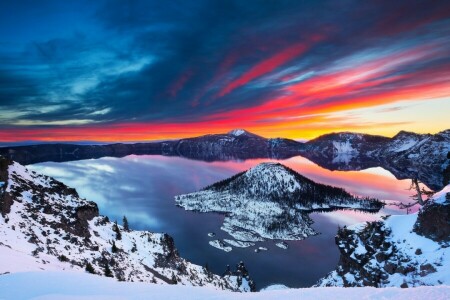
(143, 189)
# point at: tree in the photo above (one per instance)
(114, 248)
(89, 268)
(125, 224)
(418, 197)
(227, 271)
(174, 278)
(134, 249)
(108, 272)
(117, 231)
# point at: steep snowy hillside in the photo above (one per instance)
(270, 201)
(401, 251)
(49, 222)
(71, 286)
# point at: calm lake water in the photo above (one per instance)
(143, 189)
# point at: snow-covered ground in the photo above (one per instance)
(75, 285)
(404, 257)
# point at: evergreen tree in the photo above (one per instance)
(108, 272)
(89, 268)
(125, 224)
(252, 285)
(117, 231)
(114, 247)
(227, 271)
(174, 278)
(134, 249)
(239, 280)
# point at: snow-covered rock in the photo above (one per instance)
(282, 245)
(237, 132)
(46, 225)
(220, 245)
(397, 252)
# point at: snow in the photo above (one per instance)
(275, 287)
(14, 261)
(282, 245)
(239, 244)
(67, 285)
(237, 132)
(343, 147)
(405, 145)
(220, 245)
(440, 197)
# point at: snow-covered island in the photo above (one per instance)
(271, 201)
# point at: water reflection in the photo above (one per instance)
(143, 189)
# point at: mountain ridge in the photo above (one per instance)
(406, 155)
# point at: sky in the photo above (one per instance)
(149, 70)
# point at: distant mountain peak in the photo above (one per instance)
(239, 132)
(404, 133)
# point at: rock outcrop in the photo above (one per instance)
(403, 251)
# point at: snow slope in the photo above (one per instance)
(71, 286)
(393, 253)
(45, 225)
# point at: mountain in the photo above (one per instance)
(399, 251)
(406, 155)
(47, 224)
(236, 144)
(270, 201)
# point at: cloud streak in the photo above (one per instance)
(145, 70)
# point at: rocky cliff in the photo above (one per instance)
(403, 251)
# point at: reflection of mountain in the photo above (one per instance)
(406, 155)
(270, 201)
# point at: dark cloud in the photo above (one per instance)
(168, 60)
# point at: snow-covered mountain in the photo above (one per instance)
(406, 155)
(47, 224)
(235, 144)
(270, 201)
(400, 251)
